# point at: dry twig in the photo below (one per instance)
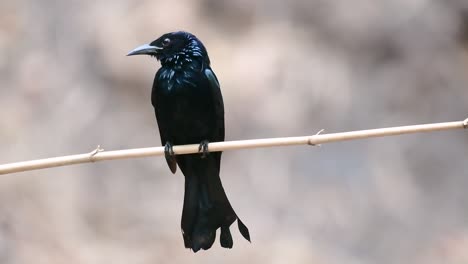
(99, 154)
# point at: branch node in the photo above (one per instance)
(95, 151)
(465, 123)
(309, 142)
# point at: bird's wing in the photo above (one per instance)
(171, 160)
(217, 103)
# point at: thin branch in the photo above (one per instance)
(99, 154)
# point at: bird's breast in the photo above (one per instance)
(176, 81)
(185, 101)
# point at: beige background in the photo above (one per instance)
(287, 68)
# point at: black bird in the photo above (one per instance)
(189, 110)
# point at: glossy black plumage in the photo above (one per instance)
(189, 109)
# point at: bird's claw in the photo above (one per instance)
(168, 151)
(203, 147)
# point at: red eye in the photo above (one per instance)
(166, 42)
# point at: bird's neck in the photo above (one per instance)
(180, 73)
(182, 62)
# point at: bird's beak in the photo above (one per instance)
(145, 49)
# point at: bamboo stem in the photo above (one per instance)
(99, 154)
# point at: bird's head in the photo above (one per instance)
(175, 48)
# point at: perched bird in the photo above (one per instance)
(189, 110)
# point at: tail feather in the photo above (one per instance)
(190, 210)
(202, 239)
(206, 206)
(243, 230)
(225, 238)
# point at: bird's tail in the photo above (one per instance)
(206, 206)
(243, 229)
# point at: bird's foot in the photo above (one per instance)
(203, 147)
(168, 151)
(170, 157)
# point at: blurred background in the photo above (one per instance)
(287, 68)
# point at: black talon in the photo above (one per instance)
(170, 156)
(203, 147)
(168, 151)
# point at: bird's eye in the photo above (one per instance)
(166, 42)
